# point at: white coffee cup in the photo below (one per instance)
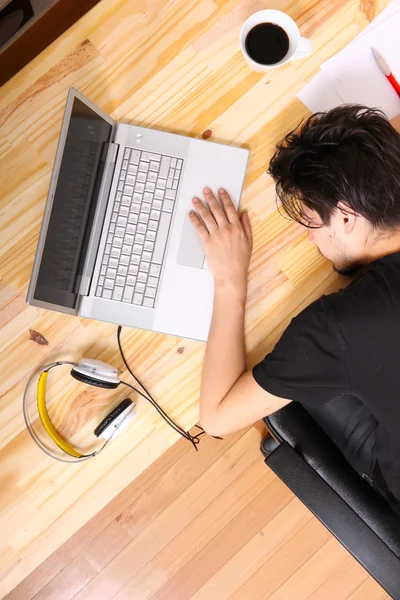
(299, 47)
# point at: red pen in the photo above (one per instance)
(384, 67)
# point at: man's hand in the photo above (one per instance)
(226, 240)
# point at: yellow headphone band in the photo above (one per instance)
(45, 419)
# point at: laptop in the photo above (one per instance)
(116, 243)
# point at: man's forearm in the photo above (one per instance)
(224, 360)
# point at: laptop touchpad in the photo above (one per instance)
(190, 251)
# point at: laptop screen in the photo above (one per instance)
(73, 208)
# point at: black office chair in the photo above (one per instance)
(308, 462)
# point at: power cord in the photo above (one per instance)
(194, 439)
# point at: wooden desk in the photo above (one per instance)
(174, 66)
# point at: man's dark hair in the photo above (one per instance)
(349, 154)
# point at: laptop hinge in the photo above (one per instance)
(111, 156)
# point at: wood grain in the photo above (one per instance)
(252, 540)
(175, 66)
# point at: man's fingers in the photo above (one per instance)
(244, 219)
(205, 215)
(199, 226)
(215, 207)
(228, 205)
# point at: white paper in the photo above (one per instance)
(355, 74)
(390, 10)
(320, 94)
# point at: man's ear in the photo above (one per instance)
(347, 216)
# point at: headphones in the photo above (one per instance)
(92, 372)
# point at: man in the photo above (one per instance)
(338, 175)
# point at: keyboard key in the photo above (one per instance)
(101, 280)
(155, 270)
(132, 219)
(132, 169)
(118, 242)
(154, 165)
(127, 153)
(169, 183)
(148, 302)
(157, 204)
(120, 186)
(98, 290)
(128, 294)
(124, 259)
(159, 194)
(124, 211)
(140, 287)
(108, 248)
(145, 266)
(109, 238)
(117, 293)
(142, 277)
(118, 196)
(137, 298)
(153, 225)
(150, 187)
(173, 163)
(128, 189)
(141, 228)
(143, 166)
(179, 163)
(123, 270)
(148, 197)
(126, 201)
(135, 259)
(125, 163)
(168, 205)
(114, 217)
(151, 292)
(113, 262)
(171, 194)
(146, 256)
(128, 239)
(112, 227)
(152, 176)
(139, 187)
(137, 249)
(137, 197)
(106, 294)
(126, 249)
(103, 267)
(146, 207)
(115, 252)
(162, 183)
(139, 238)
(131, 280)
(155, 215)
(131, 228)
(111, 273)
(150, 235)
(171, 173)
(133, 270)
(130, 180)
(164, 167)
(135, 156)
(109, 283)
(120, 280)
(148, 246)
(162, 235)
(122, 221)
(123, 173)
(143, 218)
(152, 281)
(175, 184)
(135, 208)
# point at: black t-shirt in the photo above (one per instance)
(348, 343)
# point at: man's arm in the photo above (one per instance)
(230, 398)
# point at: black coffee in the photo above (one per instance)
(267, 43)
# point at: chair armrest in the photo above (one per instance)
(337, 516)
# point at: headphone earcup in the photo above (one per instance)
(91, 381)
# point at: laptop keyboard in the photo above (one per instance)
(138, 232)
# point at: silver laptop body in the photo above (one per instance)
(116, 243)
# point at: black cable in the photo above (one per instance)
(194, 439)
